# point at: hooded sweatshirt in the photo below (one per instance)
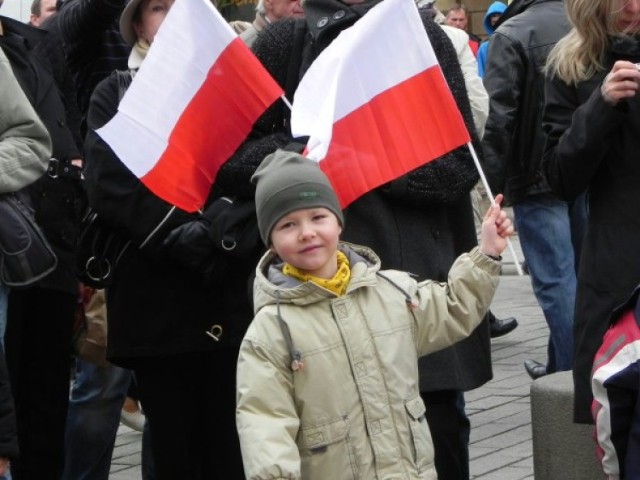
(495, 7)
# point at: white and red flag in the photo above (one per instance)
(375, 103)
(192, 103)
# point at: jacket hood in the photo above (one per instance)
(271, 286)
(518, 6)
(495, 7)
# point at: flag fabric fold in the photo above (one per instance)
(192, 103)
(386, 107)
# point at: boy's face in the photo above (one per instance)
(308, 240)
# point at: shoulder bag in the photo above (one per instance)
(25, 254)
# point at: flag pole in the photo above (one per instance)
(286, 102)
(493, 201)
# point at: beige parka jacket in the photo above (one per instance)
(352, 410)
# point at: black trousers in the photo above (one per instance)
(189, 401)
(38, 350)
(450, 428)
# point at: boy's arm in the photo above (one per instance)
(448, 312)
(266, 416)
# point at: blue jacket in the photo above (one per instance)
(495, 7)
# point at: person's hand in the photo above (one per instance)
(621, 82)
(234, 227)
(190, 245)
(496, 229)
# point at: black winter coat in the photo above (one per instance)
(418, 223)
(593, 146)
(51, 51)
(157, 306)
(58, 202)
(513, 139)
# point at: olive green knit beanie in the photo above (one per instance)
(286, 181)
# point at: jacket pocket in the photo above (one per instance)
(421, 437)
(326, 452)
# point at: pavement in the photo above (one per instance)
(501, 445)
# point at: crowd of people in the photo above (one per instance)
(309, 351)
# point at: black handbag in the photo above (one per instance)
(25, 254)
(100, 248)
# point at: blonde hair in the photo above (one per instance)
(580, 54)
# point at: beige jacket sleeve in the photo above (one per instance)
(448, 312)
(25, 146)
(478, 97)
(266, 415)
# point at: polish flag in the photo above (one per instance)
(192, 103)
(375, 103)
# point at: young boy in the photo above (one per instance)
(328, 371)
(615, 382)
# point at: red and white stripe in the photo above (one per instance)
(193, 102)
(375, 103)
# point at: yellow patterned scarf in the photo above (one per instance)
(337, 284)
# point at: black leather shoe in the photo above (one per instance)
(535, 369)
(498, 327)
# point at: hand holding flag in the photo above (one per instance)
(191, 105)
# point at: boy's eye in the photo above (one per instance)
(320, 216)
(285, 225)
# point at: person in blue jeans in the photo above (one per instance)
(550, 229)
(93, 418)
(551, 232)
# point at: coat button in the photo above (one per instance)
(322, 22)
(435, 232)
(339, 14)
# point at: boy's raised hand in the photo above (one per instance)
(496, 229)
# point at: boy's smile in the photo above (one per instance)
(308, 240)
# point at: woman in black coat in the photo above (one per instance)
(178, 306)
(592, 121)
(40, 318)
